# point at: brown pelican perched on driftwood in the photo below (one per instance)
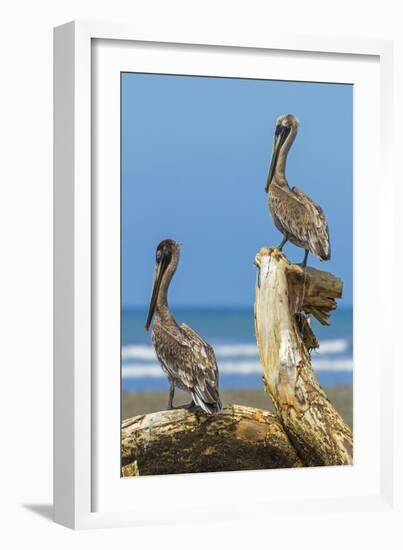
(185, 357)
(298, 217)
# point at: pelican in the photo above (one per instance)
(297, 216)
(184, 356)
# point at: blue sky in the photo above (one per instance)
(195, 156)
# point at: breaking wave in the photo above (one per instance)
(139, 361)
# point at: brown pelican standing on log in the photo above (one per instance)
(184, 356)
(298, 217)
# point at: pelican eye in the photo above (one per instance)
(163, 254)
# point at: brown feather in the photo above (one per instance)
(300, 219)
(188, 360)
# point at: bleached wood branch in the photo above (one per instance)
(283, 290)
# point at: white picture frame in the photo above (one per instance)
(88, 490)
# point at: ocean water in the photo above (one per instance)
(231, 333)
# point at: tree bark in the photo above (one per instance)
(181, 441)
(284, 339)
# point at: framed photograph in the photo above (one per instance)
(219, 229)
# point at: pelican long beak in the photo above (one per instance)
(160, 269)
(279, 138)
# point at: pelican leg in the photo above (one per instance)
(305, 258)
(171, 395)
(282, 243)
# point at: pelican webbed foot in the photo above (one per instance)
(188, 406)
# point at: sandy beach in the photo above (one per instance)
(134, 404)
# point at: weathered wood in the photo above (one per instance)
(313, 291)
(182, 441)
(313, 425)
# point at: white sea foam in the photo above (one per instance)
(142, 352)
(334, 346)
(137, 352)
(153, 370)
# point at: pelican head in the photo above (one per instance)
(286, 130)
(166, 260)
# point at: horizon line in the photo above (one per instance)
(210, 306)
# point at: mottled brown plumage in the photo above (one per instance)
(297, 216)
(187, 359)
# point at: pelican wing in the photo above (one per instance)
(191, 361)
(205, 370)
(318, 229)
(303, 219)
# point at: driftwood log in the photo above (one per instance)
(179, 441)
(306, 431)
